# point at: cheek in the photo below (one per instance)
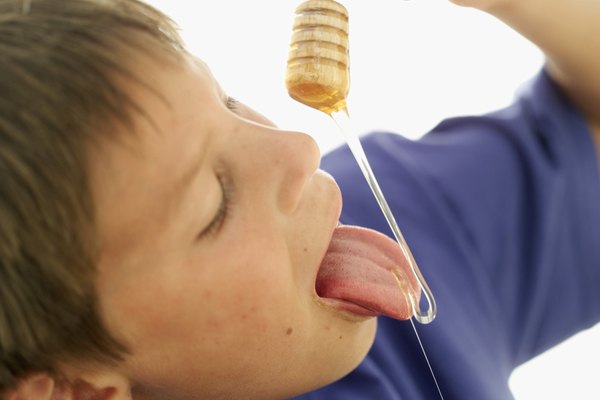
(253, 304)
(241, 305)
(251, 282)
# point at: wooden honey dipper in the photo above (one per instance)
(318, 62)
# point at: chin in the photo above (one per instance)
(336, 364)
(364, 342)
(351, 351)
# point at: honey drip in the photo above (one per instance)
(318, 76)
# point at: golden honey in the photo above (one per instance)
(318, 62)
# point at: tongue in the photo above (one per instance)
(357, 269)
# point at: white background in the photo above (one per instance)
(413, 63)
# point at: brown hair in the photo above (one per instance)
(60, 61)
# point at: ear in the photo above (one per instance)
(84, 386)
(97, 385)
(35, 386)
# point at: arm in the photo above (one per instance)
(568, 32)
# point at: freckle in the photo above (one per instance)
(340, 336)
(306, 249)
(289, 331)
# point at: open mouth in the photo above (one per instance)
(364, 272)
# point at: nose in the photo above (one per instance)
(295, 158)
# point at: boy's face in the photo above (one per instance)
(213, 226)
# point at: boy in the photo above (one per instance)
(163, 241)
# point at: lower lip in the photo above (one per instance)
(347, 307)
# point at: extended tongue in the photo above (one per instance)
(368, 269)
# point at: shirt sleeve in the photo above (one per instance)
(502, 214)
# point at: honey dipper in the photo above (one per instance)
(317, 70)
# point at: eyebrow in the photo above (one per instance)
(184, 181)
(178, 185)
(176, 198)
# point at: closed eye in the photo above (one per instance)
(232, 104)
(222, 213)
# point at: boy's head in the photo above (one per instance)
(157, 237)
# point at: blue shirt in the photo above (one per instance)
(502, 214)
